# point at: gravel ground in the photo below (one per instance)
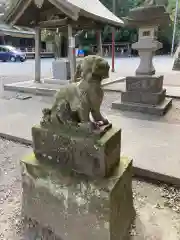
(158, 212)
(158, 207)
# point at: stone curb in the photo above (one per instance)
(35, 91)
(155, 176)
(120, 91)
(117, 80)
(138, 172)
(173, 96)
(113, 90)
(64, 82)
(56, 81)
(44, 91)
(12, 138)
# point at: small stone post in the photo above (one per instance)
(71, 52)
(37, 54)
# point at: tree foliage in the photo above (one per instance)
(123, 34)
(130, 35)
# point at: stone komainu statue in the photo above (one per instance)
(57, 45)
(74, 102)
(78, 73)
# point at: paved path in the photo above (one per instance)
(151, 141)
(27, 69)
(20, 72)
(10, 72)
(123, 67)
(152, 145)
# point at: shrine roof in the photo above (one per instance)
(15, 31)
(23, 12)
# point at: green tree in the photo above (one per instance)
(122, 9)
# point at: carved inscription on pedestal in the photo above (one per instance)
(133, 85)
(144, 84)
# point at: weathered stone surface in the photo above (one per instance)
(176, 64)
(144, 94)
(79, 71)
(147, 13)
(75, 207)
(148, 16)
(75, 102)
(143, 97)
(159, 109)
(149, 84)
(88, 154)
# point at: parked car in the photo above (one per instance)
(10, 53)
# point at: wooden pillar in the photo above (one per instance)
(113, 38)
(71, 52)
(37, 54)
(3, 39)
(99, 43)
(113, 49)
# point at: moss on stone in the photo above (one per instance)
(107, 136)
(31, 160)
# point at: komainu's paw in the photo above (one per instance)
(88, 127)
(105, 121)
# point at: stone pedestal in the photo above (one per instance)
(147, 46)
(76, 207)
(61, 69)
(75, 182)
(84, 153)
(144, 94)
(176, 64)
(49, 46)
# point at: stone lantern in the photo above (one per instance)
(144, 91)
(147, 46)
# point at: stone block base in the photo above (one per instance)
(159, 109)
(75, 207)
(176, 65)
(151, 84)
(143, 97)
(61, 69)
(88, 154)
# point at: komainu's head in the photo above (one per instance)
(95, 67)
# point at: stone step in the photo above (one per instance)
(49, 87)
(143, 97)
(43, 89)
(160, 109)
